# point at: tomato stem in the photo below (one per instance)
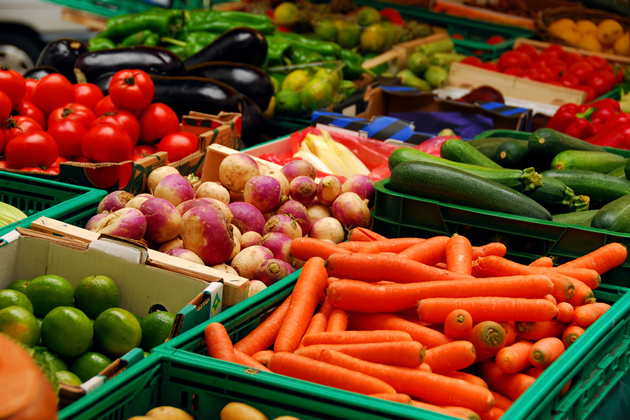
(130, 81)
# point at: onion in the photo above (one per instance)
(213, 190)
(328, 190)
(175, 189)
(185, 254)
(206, 232)
(250, 238)
(272, 270)
(297, 168)
(279, 244)
(362, 185)
(283, 224)
(137, 201)
(264, 193)
(247, 261)
(247, 217)
(235, 170)
(297, 210)
(328, 228)
(126, 223)
(163, 220)
(176, 243)
(318, 211)
(114, 201)
(94, 220)
(158, 175)
(352, 211)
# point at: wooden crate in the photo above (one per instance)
(540, 45)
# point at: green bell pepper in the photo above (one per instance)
(194, 42)
(157, 20)
(178, 50)
(277, 50)
(352, 61)
(322, 47)
(214, 21)
(97, 44)
(304, 56)
(140, 38)
(245, 17)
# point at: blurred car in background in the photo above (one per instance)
(26, 26)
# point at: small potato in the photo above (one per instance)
(240, 411)
(168, 413)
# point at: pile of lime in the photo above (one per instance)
(80, 330)
(305, 90)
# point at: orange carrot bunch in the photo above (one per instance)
(437, 324)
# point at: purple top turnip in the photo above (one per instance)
(351, 211)
(221, 206)
(297, 210)
(206, 232)
(296, 168)
(303, 189)
(271, 271)
(163, 220)
(362, 185)
(247, 217)
(250, 238)
(283, 224)
(264, 193)
(175, 189)
(318, 211)
(328, 190)
(235, 170)
(213, 190)
(279, 244)
(284, 182)
(185, 254)
(176, 243)
(247, 261)
(126, 223)
(114, 201)
(137, 201)
(94, 220)
(328, 228)
(225, 268)
(158, 175)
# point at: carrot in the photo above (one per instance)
(572, 333)
(451, 356)
(399, 398)
(458, 324)
(495, 266)
(467, 413)
(586, 315)
(435, 389)
(329, 281)
(265, 334)
(318, 324)
(493, 248)
(355, 337)
(590, 277)
(301, 367)
(326, 308)
(245, 360)
(602, 259)
(488, 337)
(425, 368)
(364, 235)
(263, 357)
(379, 267)
(565, 313)
(471, 379)
(510, 385)
(396, 245)
(535, 331)
(510, 332)
(219, 343)
(308, 287)
(359, 296)
(362, 247)
(408, 354)
(536, 372)
(542, 262)
(306, 248)
(494, 414)
(429, 252)
(436, 409)
(440, 265)
(435, 310)
(459, 255)
(501, 402)
(338, 321)
(546, 351)
(583, 294)
(552, 299)
(514, 358)
(424, 335)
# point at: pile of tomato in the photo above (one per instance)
(49, 121)
(593, 74)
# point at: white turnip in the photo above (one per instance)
(247, 261)
(279, 244)
(221, 206)
(94, 220)
(297, 210)
(206, 232)
(283, 224)
(272, 270)
(225, 268)
(247, 217)
(362, 185)
(213, 190)
(284, 183)
(318, 211)
(255, 286)
(176, 243)
(303, 189)
(264, 193)
(175, 189)
(126, 223)
(163, 220)
(328, 228)
(185, 254)
(137, 201)
(297, 168)
(328, 190)
(158, 175)
(351, 211)
(235, 170)
(114, 201)
(250, 238)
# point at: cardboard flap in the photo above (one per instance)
(119, 249)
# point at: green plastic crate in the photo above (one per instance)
(39, 197)
(110, 8)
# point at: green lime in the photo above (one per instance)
(316, 94)
(19, 285)
(367, 16)
(117, 331)
(156, 327)
(326, 30)
(67, 331)
(348, 33)
(10, 297)
(94, 294)
(374, 38)
(138, 317)
(68, 378)
(296, 80)
(288, 102)
(89, 365)
(286, 14)
(55, 360)
(20, 324)
(48, 292)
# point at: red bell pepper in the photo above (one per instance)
(606, 103)
(392, 15)
(567, 114)
(608, 138)
(616, 121)
(580, 128)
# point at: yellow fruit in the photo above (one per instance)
(240, 411)
(571, 36)
(590, 42)
(286, 14)
(622, 45)
(608, 31)
(168, 413)
(19, 324)
(585, 27)
(561, 25)
(609, 51)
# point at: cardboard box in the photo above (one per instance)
(143, 288)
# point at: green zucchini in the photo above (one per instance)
(602, 162)
(460, 151)
(620, 172)
(614, 216)
(450, 185)
(489, 145)
(557, 197)
(601, 188)
(547, 142)
(512, 154)
(520, 180)
(581, 218)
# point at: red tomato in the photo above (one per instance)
(73, 111)
(513, 59)
(619, 76)
(178, 145)
(106, 143)
(581, 70)
(590, 93)
(69, 136)
(32, 149)
(545, 57)
(601, 82)
(571, 57)
(457, 36)
(52, 92)
(104, 105)
(16, 126)
(144, 149)
(12, 84)
(137, 156)
(58, 162)
(81, 159)
(87, 94)
(495, 39)
(514, 71)
(529, 50)
(531, 74)
(545, 75)
(1, 142)
(554, 49)
(30, 85)
(156, 121)
(597, 62)
(32, 169)
(5, 106)
(24, 107)
(131, 89)
(52, 171)
(3, 164)
(569, 81)
(122, 119)
(555, 82)
(557, 67)
(491, 67)
(472, 61)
